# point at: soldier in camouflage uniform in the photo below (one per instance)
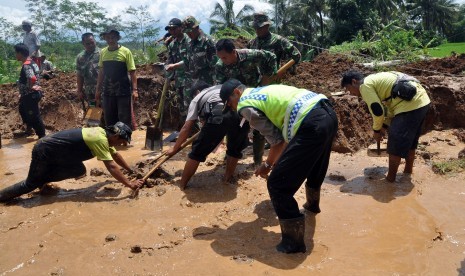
(179, 43)
(277, 44)
(87, 69)
(199, 58)
(248, 66)
(281, 47)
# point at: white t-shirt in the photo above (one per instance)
(32, 42)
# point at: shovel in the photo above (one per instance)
(154, 134)
(266, 80)
(378, 151)
(93, 116)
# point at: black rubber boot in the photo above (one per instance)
(292, 235)
(313, 200)
(13, 191)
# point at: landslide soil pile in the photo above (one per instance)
(443, 78)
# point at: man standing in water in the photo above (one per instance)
(396, 101)
(300, 126)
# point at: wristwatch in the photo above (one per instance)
(267, 166)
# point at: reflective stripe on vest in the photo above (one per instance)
(285, 106)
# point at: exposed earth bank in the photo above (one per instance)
(443, 78)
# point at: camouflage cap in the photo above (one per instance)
(190, 23)
(260, 19)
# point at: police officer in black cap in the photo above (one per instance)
(60, 156)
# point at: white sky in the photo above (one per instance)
(15, 10)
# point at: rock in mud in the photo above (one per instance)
(110, 237)
(96, 172)
(337, 177)
(136, 249)
(150, 182)
(161, 191)
(462, 154)
(241, 258)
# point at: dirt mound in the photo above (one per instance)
(61, 108)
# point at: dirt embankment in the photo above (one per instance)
(61, 108)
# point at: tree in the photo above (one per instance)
(226, 18)
(144, 25)
(435, 15)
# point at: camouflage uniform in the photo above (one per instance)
(277, 44)
(249, 68)
(87, 68)
(200, 56)
(174, 51)
(282, 48)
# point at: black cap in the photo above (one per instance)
(175, 22)
(121, 129)
(109, 30)
(226, 90)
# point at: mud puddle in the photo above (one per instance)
(367, 226)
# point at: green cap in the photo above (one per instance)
(190, 23)
(260, 19)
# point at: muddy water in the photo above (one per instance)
(367, 226)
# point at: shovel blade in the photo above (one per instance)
(93, 116)
(154, 138)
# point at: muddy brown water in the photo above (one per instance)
(367, 226)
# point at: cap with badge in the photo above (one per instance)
(175, 22)
(260, 19)
(190, 23)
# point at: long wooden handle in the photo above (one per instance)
(166, 157)
(286, 66)
(162, 158)
(161, 104)
(266, 80)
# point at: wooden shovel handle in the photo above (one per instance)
(162, 158)
(266, 80)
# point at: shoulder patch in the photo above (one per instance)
(377, 109)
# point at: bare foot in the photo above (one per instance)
(49, 190)
(182, 186)
(390, 178)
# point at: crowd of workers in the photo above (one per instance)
(230, 91)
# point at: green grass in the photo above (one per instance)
(445, 50)
(451, 166)
(9, 71)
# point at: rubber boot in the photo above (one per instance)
(313, 200)
(13, 191)
(292, 235)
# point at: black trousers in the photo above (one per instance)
(212, 134)
(44, 169)
(305, 158)
(30, 113)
